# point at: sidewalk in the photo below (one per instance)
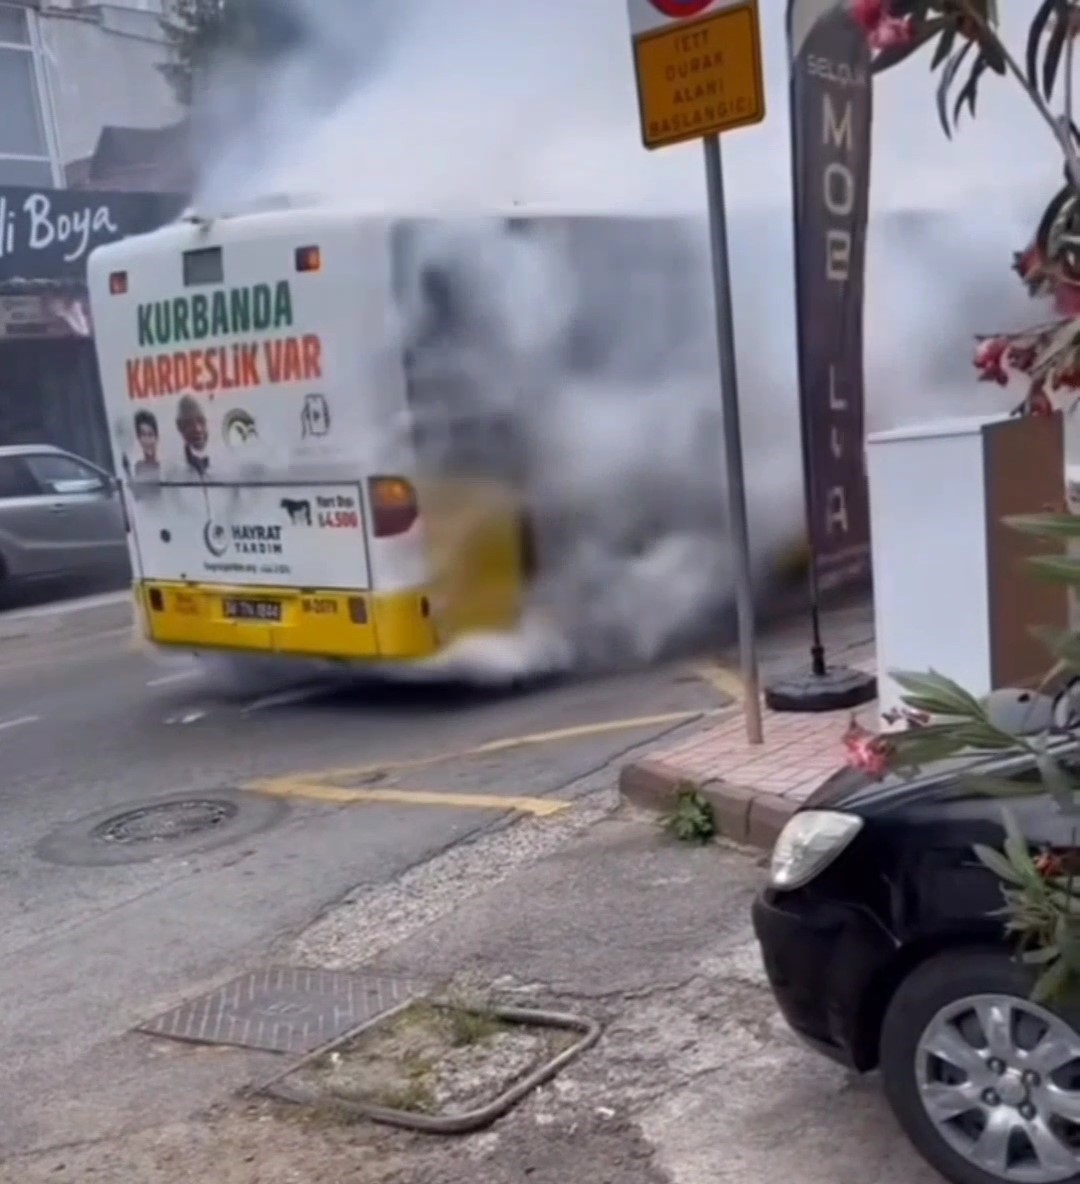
(754, 789)
(695, 1080)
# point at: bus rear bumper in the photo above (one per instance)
(289, 622)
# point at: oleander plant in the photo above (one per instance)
(967, 50)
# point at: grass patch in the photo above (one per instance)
(691, 820)
(415, 1096)
(472, 1027)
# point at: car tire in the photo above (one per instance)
(942, 998)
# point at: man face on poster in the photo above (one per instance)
(191, 424)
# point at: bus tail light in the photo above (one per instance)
(394, 507)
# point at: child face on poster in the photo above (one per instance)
(146, 432)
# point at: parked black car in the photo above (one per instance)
(879, 940)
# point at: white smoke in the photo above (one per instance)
(453, 111)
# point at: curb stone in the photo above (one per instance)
(742, 814)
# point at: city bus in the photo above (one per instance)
(282, 498)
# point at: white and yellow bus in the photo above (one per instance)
(259, 407)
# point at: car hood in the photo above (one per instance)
(856, 791)
(939, 803)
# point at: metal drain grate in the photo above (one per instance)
(284, 1009)
(166, 822)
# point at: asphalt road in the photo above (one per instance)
(98, 935)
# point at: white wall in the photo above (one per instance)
(100, 68)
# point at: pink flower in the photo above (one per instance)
(892, 32)
(1028, 264)
(1067, 380)
(1021, 357)
(990, 360)
(1067, 299)
(1049, 865)
(1038, 403)
(869, 14)
(866, 751)
(883, 30)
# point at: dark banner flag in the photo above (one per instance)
(831, 113)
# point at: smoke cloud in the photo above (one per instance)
(592, 323)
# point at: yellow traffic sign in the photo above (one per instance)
(698, 78)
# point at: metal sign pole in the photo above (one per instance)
(729, 395)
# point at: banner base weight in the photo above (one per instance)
(840, 688)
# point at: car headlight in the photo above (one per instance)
(809, 842)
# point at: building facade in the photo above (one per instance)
(83, 99)
(69, 69)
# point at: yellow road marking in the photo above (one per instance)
(597, 729)
(581, 731)
(723, 679)
(287, 787)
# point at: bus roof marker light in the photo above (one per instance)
(118, 283)
(308, 259)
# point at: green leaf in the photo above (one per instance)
(992, 52)
(1063, 644)
(1068, 945)
(1052, 983)
(987, 739)
(1059, 569)
(1054, 49)
(932, 687)
(1064, 902)
(918, 752)
(1017, 850)
(887, 58)
(944, 46)
(948, 77)
(998, 864)
(1046, 526)
(1041, 956)
(1035, 34)
(931, 706)
(1059, 785)
(986, 785)
(969, 92)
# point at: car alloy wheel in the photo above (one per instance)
(985, 1082)
(988, 1069)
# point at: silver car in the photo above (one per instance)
(60, 516)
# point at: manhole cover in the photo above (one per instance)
(166, 821)
(284, 1009)
(173, 827)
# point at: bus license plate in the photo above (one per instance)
(252, 610)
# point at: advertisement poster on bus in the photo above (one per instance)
(250, 535)
(245, 421)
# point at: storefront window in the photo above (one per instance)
(33, 174)
(14, 29)
(24, 150)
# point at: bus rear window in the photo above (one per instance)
(204, 266)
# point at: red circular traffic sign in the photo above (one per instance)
(680, 8)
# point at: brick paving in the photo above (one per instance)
(753, 789)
